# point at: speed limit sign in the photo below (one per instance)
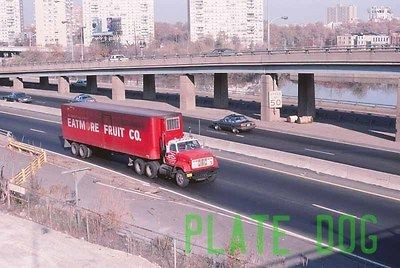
(275, 99)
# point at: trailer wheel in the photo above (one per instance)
(151, 169)
(74, 149)
(138, 166)
(83, 151)
(89, 152)
(181, 179)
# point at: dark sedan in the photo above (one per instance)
(235, 123)
(83, 98)
(18, 97)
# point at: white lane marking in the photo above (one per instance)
(217, 132)
(103, 168)
(270, 227)
(41, 102)
(311, 179)
(317, 151)
(337, 212)
(228, 159)
(36, 130)
(31, 117)
(129, 191)
(241, 136)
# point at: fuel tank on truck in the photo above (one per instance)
(123, 129)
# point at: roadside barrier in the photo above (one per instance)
(16, 182)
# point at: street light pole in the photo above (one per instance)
(269, 29)
(82, 45)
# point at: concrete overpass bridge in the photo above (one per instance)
(383, 62)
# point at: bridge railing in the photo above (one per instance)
(136, 59)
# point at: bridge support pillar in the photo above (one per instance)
(398, 112)
(269, 82)
(118, 87)
(44, 81)
(221, 99)
(149, 87)
(18, 83)
(63, 84)
(91, 83)
(187, 92)
(306, 95)
(4, 81)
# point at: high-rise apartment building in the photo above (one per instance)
(126, 21)
(242, 19)
(380, 13)
(11, 21)
(53, 22)
(341, 14)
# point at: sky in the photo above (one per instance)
(298, 11)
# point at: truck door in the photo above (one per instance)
(107, 139)
(170, 157)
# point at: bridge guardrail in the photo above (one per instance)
(6, 133)
(306, 50)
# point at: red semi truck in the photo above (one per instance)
(153, 140)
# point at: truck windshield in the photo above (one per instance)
(188, 145)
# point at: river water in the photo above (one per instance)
(384, 94)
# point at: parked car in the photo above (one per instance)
(80, 83)
(235, 123)
(83, 98)
(222, 52)
(118, 58)
(18, 97)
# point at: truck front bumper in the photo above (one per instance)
(203, 175)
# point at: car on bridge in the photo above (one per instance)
(80, 83)
(235, 123)
(118, 58)
(18, 97)
(83, 98)
(223, 52)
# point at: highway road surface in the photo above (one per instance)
(384, 161)
(254, 190)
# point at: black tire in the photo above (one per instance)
(75, 149)
(212, 177)
(89, 153)
(216, 127)
(138, 166)
(181, 179)
(235, 130)
(83, 151)
(151, 169)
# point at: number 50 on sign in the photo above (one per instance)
(275, 99)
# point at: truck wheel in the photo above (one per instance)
(89, 152)
(151, 169)
(212, 177)
(235, 130)
(216, 127)
(181, 179)
(83, 151)
(138, 166)
(74, 149)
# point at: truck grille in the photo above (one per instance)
(202, 162)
